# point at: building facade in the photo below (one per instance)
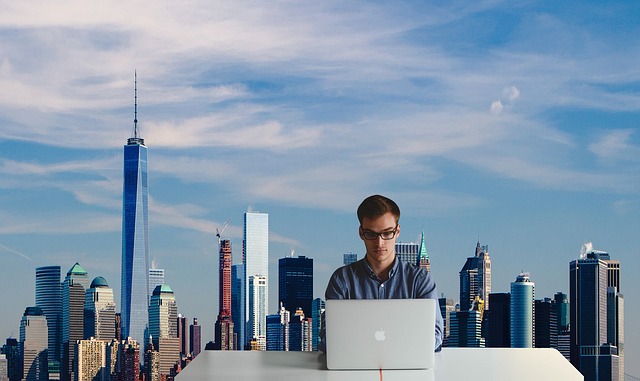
(256, 266)
(73, 296)
(475, 278)
(590, 278)
(163, 327)
(522, 312)
(317, 309)
(34, 344)
(349, 258)
(257, 324)
(134, 290)
(99, 311)
(238, 307)
(295, 283)
(91, 358)
(497, 324)
(49, 298)
(195, 338)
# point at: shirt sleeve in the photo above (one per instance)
(427, 289)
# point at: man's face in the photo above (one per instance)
(380, 252)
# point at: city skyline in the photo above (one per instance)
(513, 124)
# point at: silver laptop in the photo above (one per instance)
(380, 333)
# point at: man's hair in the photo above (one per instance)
(376, 206)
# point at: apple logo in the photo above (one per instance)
(380, 335)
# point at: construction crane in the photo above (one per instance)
(219, 231)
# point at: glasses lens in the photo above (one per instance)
(388, 235)
(369, 234)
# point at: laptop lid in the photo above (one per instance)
(380, 333)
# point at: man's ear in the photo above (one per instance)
(360, 233)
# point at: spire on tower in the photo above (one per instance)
(135, 139)
(135, 104)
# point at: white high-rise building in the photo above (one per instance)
(91, 357)
(258, 311)
(256, 264)
(34, 342)
(99, 311)
(156, 278)
(163, 327)
(522, 312)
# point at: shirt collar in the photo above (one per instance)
(372, 274)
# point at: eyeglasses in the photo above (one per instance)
(386, 235)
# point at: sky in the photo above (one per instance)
(512, 123)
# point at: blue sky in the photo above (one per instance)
(512, 122)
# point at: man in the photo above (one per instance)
(379, 275)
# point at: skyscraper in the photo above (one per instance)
(317, 309)
(73, 296)
(592, 354)
(156, 278)
(300, 328)
(295, 283)
(522, 312)
(256, 265)
(49, 298)
(238, 307)
(99, 311)
(257, 324)
(163, 327)
(195, 337)
(183, 335)
(349, 258)
(475, 278)
(91, 358)
(224, 327)
(415, 253)
(135, 232)
(545, 324)
(446, 307)
(34, 341)
(498, 321)
(466, 329)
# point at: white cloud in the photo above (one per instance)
(615, 144)
(496, 107)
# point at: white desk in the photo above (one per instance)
(538, 364)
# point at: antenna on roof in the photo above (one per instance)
(135, 139)
(135, 104)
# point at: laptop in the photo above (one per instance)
(380, 333)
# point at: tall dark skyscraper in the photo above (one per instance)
(135, 233)
(224, 327)
(195, 336)
(592, 353)
(475, 278)
(295, 283)
(498, 321)
(237, 302)
(49, 298)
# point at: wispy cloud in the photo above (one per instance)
(10, 250)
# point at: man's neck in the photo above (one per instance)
(381, 269)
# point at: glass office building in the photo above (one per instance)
(49, 299)
(295, 283)
(135, 245)
(522, 312)
(256, 264)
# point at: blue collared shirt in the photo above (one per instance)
(406, 281)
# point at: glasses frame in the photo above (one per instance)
(378, 235)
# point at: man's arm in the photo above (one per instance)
(427, 289)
